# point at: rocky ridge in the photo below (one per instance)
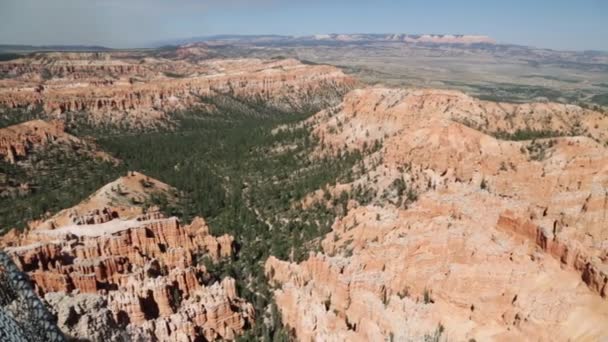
(419, 258)
(139, 91)
(110, 269)
(18, 141)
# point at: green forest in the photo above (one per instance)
(56, 178)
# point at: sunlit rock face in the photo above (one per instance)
(465, 236)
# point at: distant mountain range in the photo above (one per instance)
(455, 40)
(337, 39)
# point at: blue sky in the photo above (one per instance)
(558, 24)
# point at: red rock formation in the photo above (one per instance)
(570, 253)
(17, 141)
(108, 253)
(147, 267)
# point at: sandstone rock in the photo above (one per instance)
(17, 141)
(84, 316)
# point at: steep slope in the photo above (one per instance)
(112, 269)
(139, 91)
(452, 233)
(18, 141)
(125, 197)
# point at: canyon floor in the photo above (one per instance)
(211, 192)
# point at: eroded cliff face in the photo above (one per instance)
(110, 269)
(18, 141)
(139, 91)
(461, 235)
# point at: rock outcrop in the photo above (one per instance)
(122, 272)
(465, 236)
(139, 90)
(23, 316)
(18, 141)
(85, 315)
(124, 198)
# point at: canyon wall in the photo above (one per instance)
(140, 91)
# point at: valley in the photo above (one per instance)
(229, 166)
(207, 192)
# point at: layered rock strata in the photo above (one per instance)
(139, 92)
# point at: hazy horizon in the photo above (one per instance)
(560, 25)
